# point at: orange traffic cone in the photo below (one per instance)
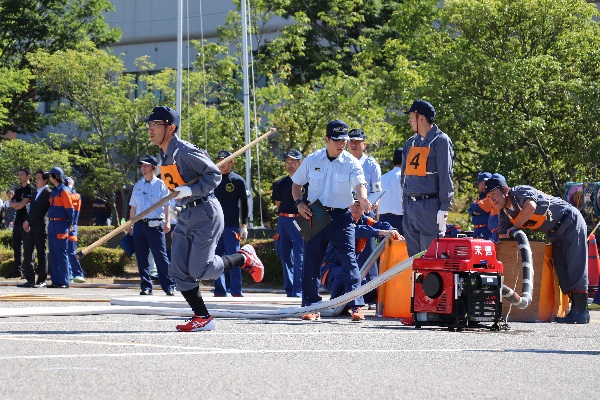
(593, 266)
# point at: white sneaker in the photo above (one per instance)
(79, 279)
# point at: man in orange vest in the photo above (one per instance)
(427, 162)
(526, 207)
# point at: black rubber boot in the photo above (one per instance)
(579, 313)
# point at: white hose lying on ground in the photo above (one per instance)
(321, 306)
(364, 270)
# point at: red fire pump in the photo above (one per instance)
(457, 283)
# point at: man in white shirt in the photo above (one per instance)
(332, 173)
(390, 204)
(149, 233)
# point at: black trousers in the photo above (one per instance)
(17, 242)
(35, 239)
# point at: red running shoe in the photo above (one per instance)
(197, 323)
(253, 264)
(311, 316)
(357, 315)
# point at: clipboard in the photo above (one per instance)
(126, 244)
(310, 227)
(375, 196)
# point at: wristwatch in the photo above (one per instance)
(296, 202)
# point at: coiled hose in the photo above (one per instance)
(522, 301)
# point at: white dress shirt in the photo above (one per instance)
(331, 182)
(391, 201)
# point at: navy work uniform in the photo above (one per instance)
(148, 232)
(331, 181)
(231, 193)
(427, 181)
(480, 210)
(372, 172)
(332, 271)
(60, 217)
(288, 240)
(75, 272)
(390, 205)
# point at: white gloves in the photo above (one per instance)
(184, 191)
(243, 233)
(442, 217)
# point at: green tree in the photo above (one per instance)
(29, 25)
(15, 154)
(517, 84)
(102, 113)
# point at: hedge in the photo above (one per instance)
(105, 261)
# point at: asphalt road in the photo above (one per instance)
(142, 357)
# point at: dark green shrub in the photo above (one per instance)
(7, 263)
(6, 238)
(103, 261)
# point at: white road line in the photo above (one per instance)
(122, 344)
(263, 351)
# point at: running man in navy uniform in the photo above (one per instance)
(231, 193)
(427, 179)
(189, 171)
(526, 207)
(332, 174)
(289, 243)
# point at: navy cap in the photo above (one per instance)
(483, 176)
(398, 154)
(500, 178)
(223, 154)
(149, 160)
(163, 113)
(69, 179)
(357, 134)
(337, 130)
(57, 171)
(492, 184)
(424, 108)
(295, 154)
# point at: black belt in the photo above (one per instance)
(560, 221)
(418, 197)
(332, 209)
(198, 201)
(146, 220)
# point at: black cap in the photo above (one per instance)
(357, 134)
(337, 130)
(163, 113)
(223, 154)
(424, 108)
(492, 184)
(149, 160)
